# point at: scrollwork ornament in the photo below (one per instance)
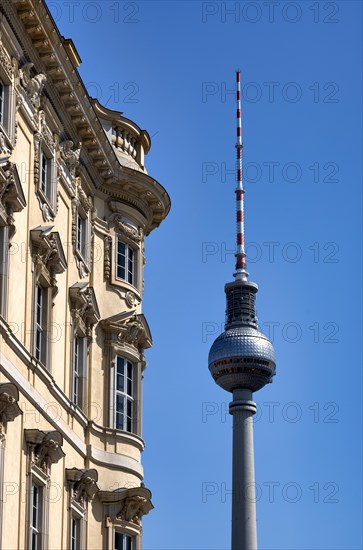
(130, 298)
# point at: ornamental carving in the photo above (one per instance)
(127, 230)
(9, 65)
(133, 508)
(84, 199)
(12, 197)
(48, 254)
(128, 505)
(130, 298)
(4, 149)
(9, 408)
(133, 331)
(83, 484)
(107, 256)
(70, 155)
(32, 85)
(128, 329)
(84, 308)
(46, 134)
(45, 448)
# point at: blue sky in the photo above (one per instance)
(169, 66)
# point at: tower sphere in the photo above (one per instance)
(242, 357)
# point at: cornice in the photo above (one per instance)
(39, 37)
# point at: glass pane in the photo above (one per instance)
(1, 102)
(120, 382)
(130, 266)
(119, 541)
(119, 412)
(35, 506)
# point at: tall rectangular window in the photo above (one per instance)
(45, 175)
(79, 369)
(2, 102)
(41, 322)
(75, 533)
(36, 513)
(123, 542)
(81, 235)
(126, 265)
(4, 269)
(124, 406)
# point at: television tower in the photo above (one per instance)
(241, 361)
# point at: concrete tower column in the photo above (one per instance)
(244, 535)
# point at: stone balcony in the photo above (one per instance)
(131, 144)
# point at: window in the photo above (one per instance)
(4, 105)
(2, 102)
(123, 542)
(4, 269)
(126, 264)
(46, 175)
(7, 104)
(75, 533)
(82, 232)
(81, 235)
(36, 513)
(41, 313)
(79, 369)
(124, 395)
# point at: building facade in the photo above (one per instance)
(76, 204)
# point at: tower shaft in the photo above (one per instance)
(244, 533)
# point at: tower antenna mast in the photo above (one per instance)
(241, 273)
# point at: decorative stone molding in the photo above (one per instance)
(130, 298)
(45, 448)
(9, 64)
(107, 256)
(83, 484)
(4, 149)
(84, 203)
(135, 235)
(129, 505)
(48, 204)
(84, 308)
(70, 155)
(48, 256)
(128, 329)
(9, 408)
(12, 197)
(32, 85)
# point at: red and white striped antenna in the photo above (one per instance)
(241, 273)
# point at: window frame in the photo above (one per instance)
(125, 267)
(136, 424)
(126, 537)
(38, 479)
(42, 329)
(82, 250)
(36, 530)
(129, 529)
(4, 269)
(2, 102)
(47, 188)
(7, 124)
(79, 375)
(127, 397)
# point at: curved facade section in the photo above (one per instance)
(76, 204)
